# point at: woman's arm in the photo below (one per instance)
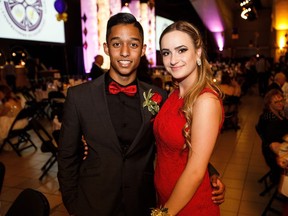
(206, 119)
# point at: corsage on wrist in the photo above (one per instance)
(160, 212)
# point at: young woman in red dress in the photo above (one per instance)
(187, 126)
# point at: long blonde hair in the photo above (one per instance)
(204, 75)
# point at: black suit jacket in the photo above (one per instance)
(98, 185)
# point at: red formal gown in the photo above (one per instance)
(172, 159)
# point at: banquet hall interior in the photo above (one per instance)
(237, 35)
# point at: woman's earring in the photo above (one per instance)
(198, 62)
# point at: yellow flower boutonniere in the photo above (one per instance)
(152, 101)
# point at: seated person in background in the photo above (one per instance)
(10, 106)
(284, 88)
(282, 160)
(229, 86)
(96, 69)
(273, 126)
(232, 92)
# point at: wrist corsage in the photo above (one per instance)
(152, 101)
(160, 212)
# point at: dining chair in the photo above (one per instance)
(18, 137)
(40, 107)
(231, 120)
(273, 204)
(56, 101)
(48, 145)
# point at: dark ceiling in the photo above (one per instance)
(183, 9)
(176, 10)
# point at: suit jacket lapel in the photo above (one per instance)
(100, 103)
(146, 116)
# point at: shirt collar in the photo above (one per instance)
(108, 80)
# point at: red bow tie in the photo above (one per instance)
(114, 88)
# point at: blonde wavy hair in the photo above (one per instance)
(204, 75)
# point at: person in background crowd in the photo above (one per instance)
(282, 65)
(114, 114)
(31, 70)
(9, 108)
(273, 126)
(262, 68)
(9, 73)
(34, 66)
(230, 86)
(250, 74)
(284, 89)
(143, 70)
(278, 82)
(282, 161)
(96, 69)
(191, 111)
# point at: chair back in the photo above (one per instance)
(28, 95)
(39, 107)
(19, 129)
(46, 139)
(230, 105)
(30, 202)
(2, 175)
(25, 113)
(55, 94)
(56, 101)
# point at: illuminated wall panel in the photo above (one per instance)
(209, 13)
(89, 10)
(97, 13)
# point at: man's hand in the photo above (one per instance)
(218, 193)
(85, 145)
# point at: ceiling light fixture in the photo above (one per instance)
(245, 12)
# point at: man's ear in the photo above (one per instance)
(143, 50)
(106, 48)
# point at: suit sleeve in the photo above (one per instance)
(212, 170)
(69, 158)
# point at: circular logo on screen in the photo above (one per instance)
(25, 14)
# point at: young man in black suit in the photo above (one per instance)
(116, 177)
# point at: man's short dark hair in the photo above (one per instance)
(123, 18)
